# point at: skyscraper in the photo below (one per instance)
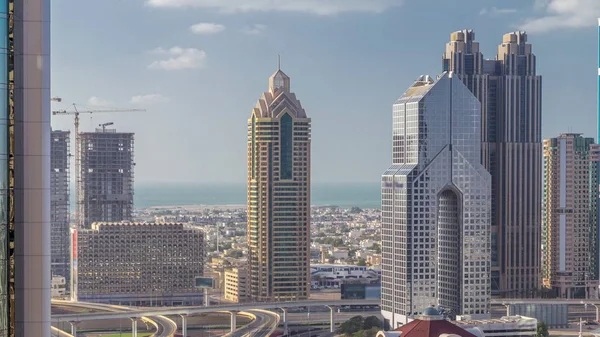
(106, 176)
(59, 202)
(510, 93)
(278, 195)
(25, 166)
(570, 216)
(435, 205)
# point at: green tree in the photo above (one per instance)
(361, 262)
(372, 322)
(377, 248)
(351, 326)
(542, 330)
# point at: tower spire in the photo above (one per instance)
(278, 61)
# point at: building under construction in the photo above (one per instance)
(106, 176)
(59, 203)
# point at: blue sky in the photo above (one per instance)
(198, 67)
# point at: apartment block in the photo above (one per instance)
(570, 216)
(130, 263)
(106, 186)
(59, 203)
(236, 284)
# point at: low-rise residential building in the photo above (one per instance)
(339, 253)
(374, 259)
(131, 263)
(236, 283)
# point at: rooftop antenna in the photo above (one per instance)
(278, 62)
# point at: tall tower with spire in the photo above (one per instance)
(278, 195)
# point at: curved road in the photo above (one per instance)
(165, 327)
(265, 323)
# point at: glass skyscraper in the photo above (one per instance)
(435, 205)
(25, 275)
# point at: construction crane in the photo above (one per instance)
(76, 113)
(104, 125)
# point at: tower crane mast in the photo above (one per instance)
(75, 113)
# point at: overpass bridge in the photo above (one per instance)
(233, 309)
(134, 314)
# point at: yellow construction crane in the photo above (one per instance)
(76, 113)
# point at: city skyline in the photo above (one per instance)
(197, 97)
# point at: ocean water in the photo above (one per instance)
(363, 195)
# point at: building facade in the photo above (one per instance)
(147, 264)
(435, 205)
(570, 216)
(510, 93)
(106, 177)
(432, 324)
(25, 166)
(278, 195)
(236, 284)
(59, 203)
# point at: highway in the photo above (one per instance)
(169, 311)
(264, 324)
(165, 327)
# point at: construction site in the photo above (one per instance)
(105, 179)
(59, 203)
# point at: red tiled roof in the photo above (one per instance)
(435, 328)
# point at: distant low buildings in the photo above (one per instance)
(236, 284)
(143, 264)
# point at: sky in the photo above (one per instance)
(199, 66)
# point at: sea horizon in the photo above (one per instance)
(146, 194)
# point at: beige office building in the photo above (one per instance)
(130, 263)
(510, 93)
(278, 195)
(236, 284)
(570, 216)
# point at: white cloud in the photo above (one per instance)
(207, 28)
(559, 14)
(179, 58)
(319, 7)
(149, 99)
(256, 29)
(497, 11)
(96, 101)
